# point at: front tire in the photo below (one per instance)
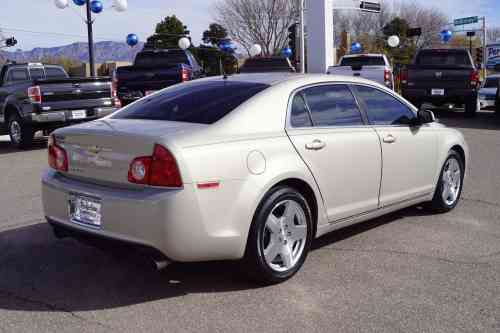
(21, 134)
(450, 184)
(280, 236)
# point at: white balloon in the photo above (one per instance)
(61, 4)
(120, 5)
(255, 50)
(393, 41)
(184, 43)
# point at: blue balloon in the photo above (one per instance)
(132, 40)
(287, 52)
(446, 35)
(79, 2)
(356, 47)
(226, 46)
(96, 6)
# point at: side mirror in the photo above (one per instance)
(426, 116)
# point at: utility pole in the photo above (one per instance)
(91, 39)
(483, 66)
(302, 38)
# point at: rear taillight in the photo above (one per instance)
(158, 170)
(35, 94)
(184, 75)
(475, 77)
(404, 76)
(387, 77)
(58, 159)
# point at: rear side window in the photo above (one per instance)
(161, 59)
(333, 105)
(18, 74)
(384, 109)
(363, 61)
(55, 73)
(37, 73)
(443, 58)
(198, 102)
(300, 115)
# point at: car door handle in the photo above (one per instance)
(389, 138)
(315, 145)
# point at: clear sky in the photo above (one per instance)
(66, 26)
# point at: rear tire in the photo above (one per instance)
(450, 184)
(471, 108)
(280, 237)
(21, 134)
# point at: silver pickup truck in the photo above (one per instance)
(375, 67)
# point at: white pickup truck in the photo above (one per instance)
(375, 67)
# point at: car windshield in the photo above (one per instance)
(363, 61)
(198, 102)
(491, 82)
(159, 59)
(444, 58)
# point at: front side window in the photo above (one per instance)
(332, 105)
(199, 102)
(384, 109)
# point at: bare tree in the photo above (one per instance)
(493, 34)
(264, 22)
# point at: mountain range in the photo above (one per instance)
(104, 51)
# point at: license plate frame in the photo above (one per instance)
(437, 92)
(85, 210)
(78, 114)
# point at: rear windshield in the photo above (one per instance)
(37, 73)
(201, 102)
(444, 58)
(161, 59)
(55, 73)
(491, 82)
(363, 61)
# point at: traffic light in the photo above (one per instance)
(292, 39)
(479, 55)
(370, 6)
(9, 42)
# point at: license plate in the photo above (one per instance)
(437, 92)
(85, 210)
(149, 92)
(78, 114)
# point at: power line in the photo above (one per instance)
(45, 33)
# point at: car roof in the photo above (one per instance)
(364, 55)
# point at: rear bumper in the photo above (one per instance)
(171, 222)
(67, 115)
(457, 96)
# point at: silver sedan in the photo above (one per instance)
(251, 167)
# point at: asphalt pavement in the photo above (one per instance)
(407, 272)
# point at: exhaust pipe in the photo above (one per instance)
(161, 264)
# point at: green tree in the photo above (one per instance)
(214, 34)
(403, 54)
(167, 33)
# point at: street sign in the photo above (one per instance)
(370, 6)
(466, 20)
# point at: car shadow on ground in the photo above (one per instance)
(487, 120)
(7, 148)
(41, 273)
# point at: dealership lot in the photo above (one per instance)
(410, 271)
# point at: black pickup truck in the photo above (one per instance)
(36, 97)
(442, 76)
(154, 70)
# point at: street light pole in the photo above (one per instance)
(91, 39)
(302, 38)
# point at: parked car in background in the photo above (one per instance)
(36, 97)
(488, 92)
(250, 166)
(440, 77)
(154, 70)
(267, 65)
(375, 67)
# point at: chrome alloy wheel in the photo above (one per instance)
(452, 181)
(15, 131)
(285, 235)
